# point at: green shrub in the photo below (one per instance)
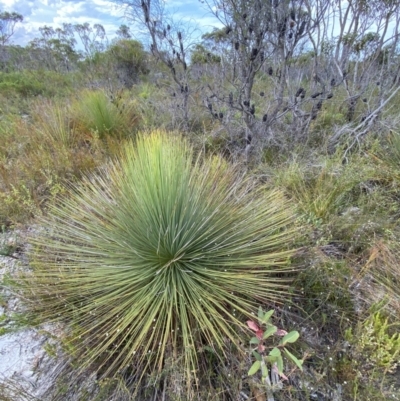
(158, 255)
(33, 83)
(129, 57)
(377, 341)
(21, 83)
(373, 356)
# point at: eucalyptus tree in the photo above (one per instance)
(55, 48)
(8, 22)
(93, 38)
(123, 32)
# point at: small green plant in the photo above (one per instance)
(3, 323)
(371, 358)
(272, 359)
(8, 243)
(376, 343)
(18, 201)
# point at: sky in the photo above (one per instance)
(54, 13)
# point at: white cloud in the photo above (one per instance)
(7, 4)
(108, 13)
(66, 9)
(112, 9)
(175, 3)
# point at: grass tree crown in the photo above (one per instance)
(157, 254)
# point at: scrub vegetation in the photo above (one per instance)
(171, 192)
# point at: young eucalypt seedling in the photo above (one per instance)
(273, 359)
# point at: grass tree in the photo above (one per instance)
(157, 255)
(94, 112)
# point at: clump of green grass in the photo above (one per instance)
(11, 390)
(37, 155)
(378, 276)
(158, 255)
(388, 157)
(53, 120)
(95, 113)
(320, 191)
